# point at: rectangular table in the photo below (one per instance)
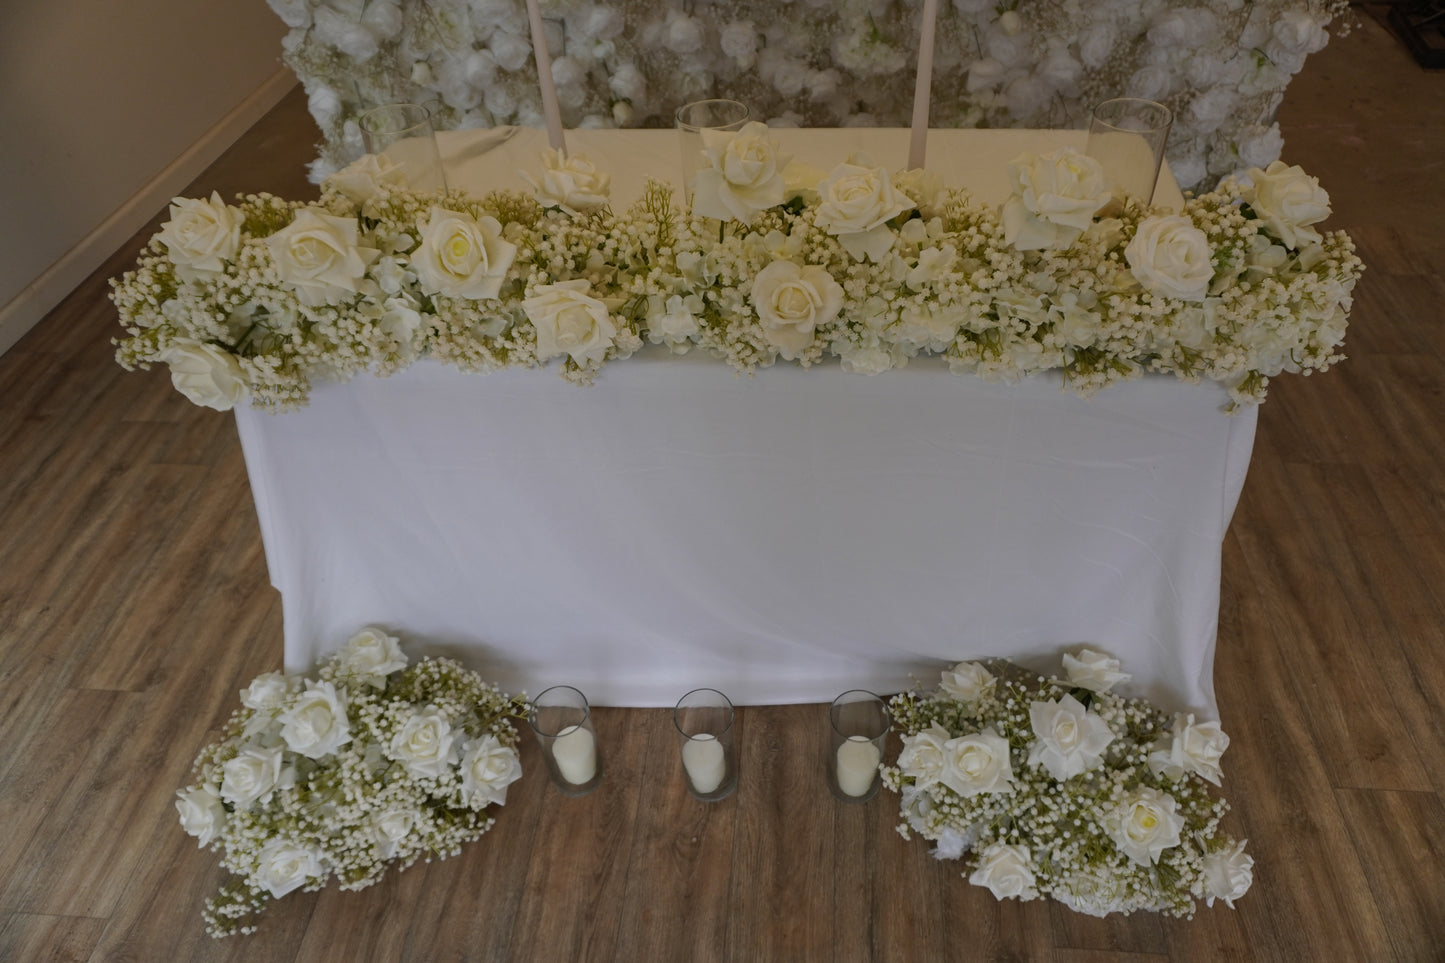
(781, 537)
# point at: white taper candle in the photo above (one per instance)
(550, 108)
(923, 86)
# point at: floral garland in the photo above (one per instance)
(377, 762)
(776, 261)
(1221, 65)
(1062, 788)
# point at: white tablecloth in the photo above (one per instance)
(782, 538)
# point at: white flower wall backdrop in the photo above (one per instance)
(1221, 65)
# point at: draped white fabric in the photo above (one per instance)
(782, 537)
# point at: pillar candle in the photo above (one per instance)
(702, 757)
(858, 760)
(575, 752)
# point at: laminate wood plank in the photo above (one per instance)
(49, 939)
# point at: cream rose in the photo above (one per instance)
(967, 682)
(462, 257)
(208, 375)
(855, 202)
(1171, 257)
(424, 743)
(744, 174)
(571, 182)
(1069, 738)
(792, 302)
(488, 768)
(201, 236)
(570, 321)
(283, 866)
(1144, 824)
(320, 256)
(923, 756)
(269, 691)
(1005, 870)
(1289, 201)
(1228, 874)
(1055, 197)
(390, 829)
(202, 813)
(977, 764)
(315, 724)
(250, 775)
(1190, 747)
(373, 655)
(365, 178)
(1094, 670)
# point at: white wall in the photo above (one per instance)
(106, 110)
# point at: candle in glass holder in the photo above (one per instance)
(858, 760)
(702, 757)
(575, 752)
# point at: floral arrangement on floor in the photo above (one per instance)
(375, 762)
(1222, 66)
(1062, 788)
(775, 261)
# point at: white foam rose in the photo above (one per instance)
(269, 691)
(744, 174)
(1227, 874)
(977, 764)
(202, 235)
(1094, 670)
(1171, 257)
(319, 256)
(390, 828)
(461, 256)
(424, 743)
(570, 321)
(1289, 201)
(570, 181)
(366, 177)
(284, 865)
(202, 813)
(1144, 824)
(923, 756)
(1055, 197)
(1069, 738)
(488, 768)
(207, 374)
(1190, 747)
(373, 655)
(967, 682)
(1004, 868)
(250, 775)
(855, 202)
(792, 302)
(315, 724)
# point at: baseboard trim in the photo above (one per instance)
(41, 295)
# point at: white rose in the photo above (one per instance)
(1289, 201)
(1094, 670)
(923, 757)
(315, 724)
(569, 321)
(250, 775)
(390, 828)
(977, 764)
(744, 174)
(488, 768)
(207, 374)
(1096, 891)
(320, 256)
(372, 653)
(1228, 874)
(202, 813)
(967, 682)
(1191, 747)
(1055, 197)
(269, 691)
(1171, 257)
(855, 202)
(1070, 739)
(792, 302)
(924, 188)
(201, 236)
(424, 743)
(1005, 870)
(283, 865)
(365, 178)
(1144, 824)
(571, 182)
(462, 257)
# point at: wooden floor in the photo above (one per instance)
(134, 604)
